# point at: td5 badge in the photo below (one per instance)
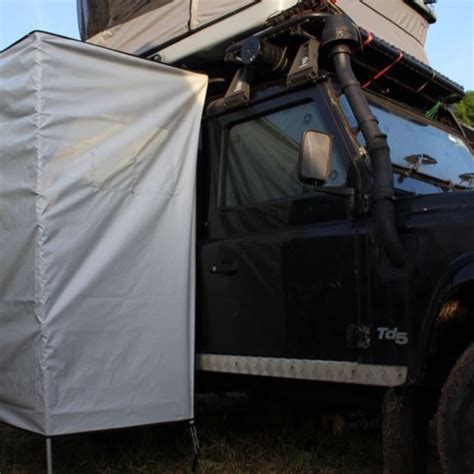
(393, 334)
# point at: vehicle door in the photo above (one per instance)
(277, 258)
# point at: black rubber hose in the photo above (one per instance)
(378, 150)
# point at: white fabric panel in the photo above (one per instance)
(97, 237)
(402, 15)
(175, 19)
(205, 11)
(222, 33)
(392, 20)
(148, 30)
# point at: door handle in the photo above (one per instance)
(224, 268)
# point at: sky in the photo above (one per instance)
(450, 44)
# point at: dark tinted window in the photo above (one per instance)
(262, 156)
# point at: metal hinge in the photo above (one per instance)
(364, 206)
(358, 337)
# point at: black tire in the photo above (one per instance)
(456, 417)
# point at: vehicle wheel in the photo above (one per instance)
(456, 417)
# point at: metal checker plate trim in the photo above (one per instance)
(321, 370)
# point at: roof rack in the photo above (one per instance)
(409, 71)
(380, 66)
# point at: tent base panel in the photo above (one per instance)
(91, 424)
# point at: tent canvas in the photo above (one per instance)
(97, 237)
(148, 27)
(137, 27)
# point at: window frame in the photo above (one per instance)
(317, 94)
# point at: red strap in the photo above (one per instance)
(383, 71)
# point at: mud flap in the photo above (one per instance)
(405, 431)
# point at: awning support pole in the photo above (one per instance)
(49, 456)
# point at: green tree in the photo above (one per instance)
(465, 109)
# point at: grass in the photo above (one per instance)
(236, 437)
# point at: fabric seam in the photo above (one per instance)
(39, 258)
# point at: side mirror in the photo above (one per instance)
(314, 160)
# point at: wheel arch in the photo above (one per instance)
(448, 325)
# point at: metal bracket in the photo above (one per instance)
(362, 204)
(239, 90)
(196, 446)
(305, 64)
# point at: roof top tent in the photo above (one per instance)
(98, 159)
(180, 28)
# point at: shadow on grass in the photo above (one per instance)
(236, 435)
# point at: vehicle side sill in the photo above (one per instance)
(303, 369)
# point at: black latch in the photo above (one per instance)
(225, 268)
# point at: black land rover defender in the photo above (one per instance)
(336, 229)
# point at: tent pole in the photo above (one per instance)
(49, 456)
